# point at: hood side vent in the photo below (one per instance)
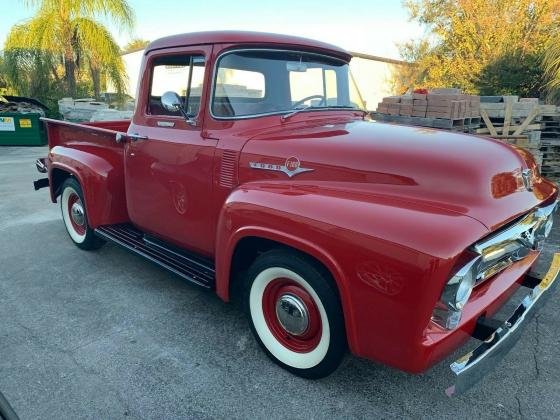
(228, 169)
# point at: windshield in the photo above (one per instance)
(257, 82)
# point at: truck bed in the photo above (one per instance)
(91, 153)
(69, 133)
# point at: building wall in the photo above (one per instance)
(374, 79)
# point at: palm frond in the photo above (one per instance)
(46, 32)
(41, 32)
(119, 11)
(551, 65)
(100, 49)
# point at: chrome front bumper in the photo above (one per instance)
(501, 336)
(41, 165)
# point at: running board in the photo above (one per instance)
(191, 267)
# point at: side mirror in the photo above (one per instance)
(171, 102)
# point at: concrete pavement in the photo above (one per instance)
(107, 335)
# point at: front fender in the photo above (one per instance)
(101, 179)
(389, 257)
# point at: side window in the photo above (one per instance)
(183, 75)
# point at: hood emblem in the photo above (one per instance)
(527, 176)
(291, 167)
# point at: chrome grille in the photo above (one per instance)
(515, 242)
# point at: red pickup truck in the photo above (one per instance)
(251, 169)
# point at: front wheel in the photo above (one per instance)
(295, 313)
(75, 217)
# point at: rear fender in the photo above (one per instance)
(101, 179)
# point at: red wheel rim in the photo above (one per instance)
(302, 342)
(79, 228)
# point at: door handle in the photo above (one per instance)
(136, 136)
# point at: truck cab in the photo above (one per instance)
(221, 90)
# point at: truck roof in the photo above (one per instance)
(245, 37)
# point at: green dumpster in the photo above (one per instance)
(18, 129)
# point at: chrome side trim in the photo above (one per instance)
(136, 137)
(473, 366)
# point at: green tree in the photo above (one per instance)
(3, 78)
(135, 45)
(69, 31)
(552, 67)
(33, 73)
(481, 46)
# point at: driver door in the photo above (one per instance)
(168, 161)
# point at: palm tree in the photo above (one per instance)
(551, 65)
(68, 29)
(134, 45)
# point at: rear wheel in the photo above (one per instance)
(295, 313)
(75, 217)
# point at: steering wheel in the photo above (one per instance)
(307, 98)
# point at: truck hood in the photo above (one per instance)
(477, 177)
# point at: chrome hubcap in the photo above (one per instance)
(292, 314)
(77, 213)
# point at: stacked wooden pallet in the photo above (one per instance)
(550, 145)
(514, 121)
(522, 122)
(440, 108)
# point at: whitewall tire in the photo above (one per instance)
(74, 215)
(295, 313)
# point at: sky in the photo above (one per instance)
(367, 26)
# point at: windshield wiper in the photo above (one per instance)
(297, 111)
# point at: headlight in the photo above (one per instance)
(455, 295)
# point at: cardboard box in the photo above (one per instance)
(392, 99)
(445, 91)
(439, 114)
(440, 103)
(438, 98)
(418, 113)
(459, 109)
(420, 102)
(406, 100)
(434, 108)
(405, 110)
(419, 96)
(382, 107)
